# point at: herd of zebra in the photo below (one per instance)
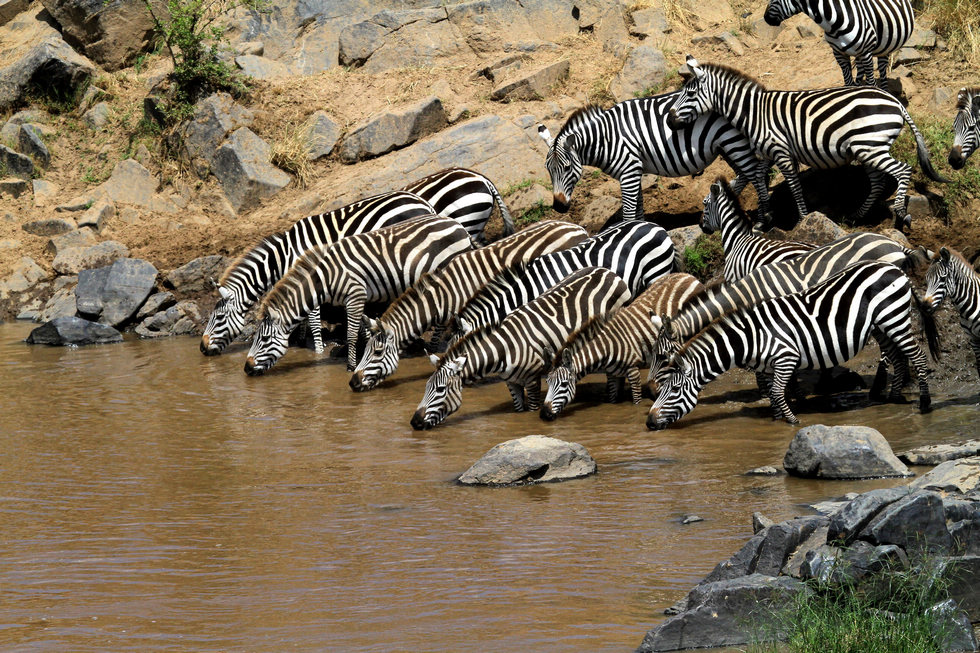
(550, 302)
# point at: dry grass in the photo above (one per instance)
(289, 152)
(958, 21)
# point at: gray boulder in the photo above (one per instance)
(261, 68)
(243, 168)
(396, 39)
(97, 117)
(394, 130)
(112, 34)
(646, 68)
(128, 284)
(49, 226)
(531, 459)
(966, 536)
(917, 523)
(215, 117)
(836, 565)
(815, 227)
(45, 62)
(95, 217)
(196, 276)
(963, 573)
(15, 163)
(182, 319)
(88, 292)
(934, 454)
(45, 192)
(73, 331)
(61, 304)
(535, 84)
(131, 183)
(727, 613)
(961, 475)
(953, 627)
(321, 135)
(820, 451)
(74, 238)
(13, 187)
(650, 23)
(25, 275)
(75, 259)
(29, 143)
(159, 301)
(849, 521)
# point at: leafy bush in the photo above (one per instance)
(705, 257)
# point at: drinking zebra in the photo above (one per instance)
(638, 251)
(966, 127)
(441, 293)
(632, 138)
(464, 195)
(950, 275)
(864, 29)
(514, 350)
(822, 129)
(376, 266)
(619, 347)
(820, 327)
(744, 250)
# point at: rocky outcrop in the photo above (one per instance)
(394, 130)
(113, 294)
(197, 275)
(645, 69)
(111, 33)
(534, 84)
(73, 331)
(321, 135)
(820, 451)
(531, 459)
(25, 275)
(934, 454)
(243, 168)
(962, 475)
(215, 117)
(184, 318)
(75, 259)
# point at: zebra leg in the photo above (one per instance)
(631, 194)
(434, 341)
(865, 69)
(763, 381)
(636, 389)
(907, 349)
(613, 383)
(355, 310)
(534, 394)
(316, 326)
(787, 166)
(782, 373)
(517, 396)
(883, 63)
(844, 61)
(879, 163)
(975, 346)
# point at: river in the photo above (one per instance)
(155, 499)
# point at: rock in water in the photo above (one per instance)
(73, 331)
(531, 459)
(820, 451)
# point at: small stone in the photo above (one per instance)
(808, 30)
(535, 85)
(760, 522)
(690, 519)
(97, 117)
(155, 303)
(766, 470)
(918, 207)
(49, 226)
(321, 136)
(908, 56)
(16, 163)
(29, 142)
(96, 216)
(75, 238)
(256, 48)
(13, 186)
(939, 453)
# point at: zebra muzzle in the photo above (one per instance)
(358, 384)
(956, 160)
(419, 422)
(547, 414)
(672, 121)
(251, 369)
(560, 203)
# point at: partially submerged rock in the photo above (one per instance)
(934, 454)
(531, 459)
(820, 451)
(73, 331)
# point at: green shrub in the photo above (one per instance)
(705, 257)
(533, 214)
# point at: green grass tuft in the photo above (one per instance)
(705, 257)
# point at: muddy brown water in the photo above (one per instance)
(155, 499)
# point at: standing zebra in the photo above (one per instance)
(632, 138)
(966, 127)
(823, 326)
(376, 266)
(514, 350)
(619, 346)
(457, 193)
(441, 293)
(465, 196)
(744, 250)
(950, 275)
(822, 129)
(638, 251)
(854, 28)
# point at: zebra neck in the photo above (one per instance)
(733, 230)
(594, 138)
(713, 353)
(965, 291)
(738, 100)
(258, 270)
(485, 356)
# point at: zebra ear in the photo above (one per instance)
(273, 314)
(566, 357)
(976, 103)
(944, 254)
(455, 366)
(693, 67)
(546, 135)
(434, 360)
(667, 330)
(224, 292)
(371, 325)
(464, 325)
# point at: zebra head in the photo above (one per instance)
(780, 10)
(693, 99)
(564, 166)
(561, 385)
(711, 215)
(271, 341)
(966, 127)
(939, 271)
(677, 396)
(443, 394)
(226, 321)
(380, 359)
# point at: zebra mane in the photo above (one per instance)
(964, 100)
(734, 201)
(580, 336)
(959, 258)
(265, 244)
(724, 315)
(728, 71)
(580, 116)
(464, 340)
(410, 294)
(303, 267)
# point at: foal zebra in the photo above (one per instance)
(823, 326)
(744, 250)
(465, 196)
(439, 294)
(966, 127)
(950, 275)
(619, 346)
(376, 266)
(514, 350)
(860, 29)
(632, 138)
(822, 129)
(638, 251)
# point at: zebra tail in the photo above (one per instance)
(922, 151)
(928, 319)
(504, 213)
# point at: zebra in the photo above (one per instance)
(854, 28)
(440, 293)
(375, 266)
(822, 326)
(950, 274)
(638, 251)
(744, 250)
(966, 127)
(465, 196)
(820, 128)
(458, 193)
(619, 347)
(632, 138)
(514, 349)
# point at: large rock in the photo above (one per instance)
(645, 69)
(131, 183)
(815, 227)
(964, 575)
(934, 454)
(88, 292)
(74, 238)
(128, 284)
(962, 475)
(95, 216)
(396, 39)
(728, 613)
(25, 275)
(820, 451)
(917, 523)
(61, 304)
(182, 319)
(394, 130)
(75, 259)
(536, 84)
(73, 331)
(243, 168)
(10, 8)
(215, 117)
(321, 135)
(30, 144)
(197, 275)
(836, 565)
(49, 226)
(260, 67)
(531, 459)
(849, 521)
(110, 32)
(15, 163)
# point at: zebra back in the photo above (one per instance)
(463, 195)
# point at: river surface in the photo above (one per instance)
(153, 499)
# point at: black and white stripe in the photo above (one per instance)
(639, 252)
(863, 29)
(745, 251)
(514, 350)
(632, 138)
(465, 196)
(950, 275)
(376, 266)
(825, 128)
(619, 347)
(822, 326)
(966, 127)
(440, 294)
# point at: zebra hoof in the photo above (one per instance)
(925, 405)
(898, 399)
